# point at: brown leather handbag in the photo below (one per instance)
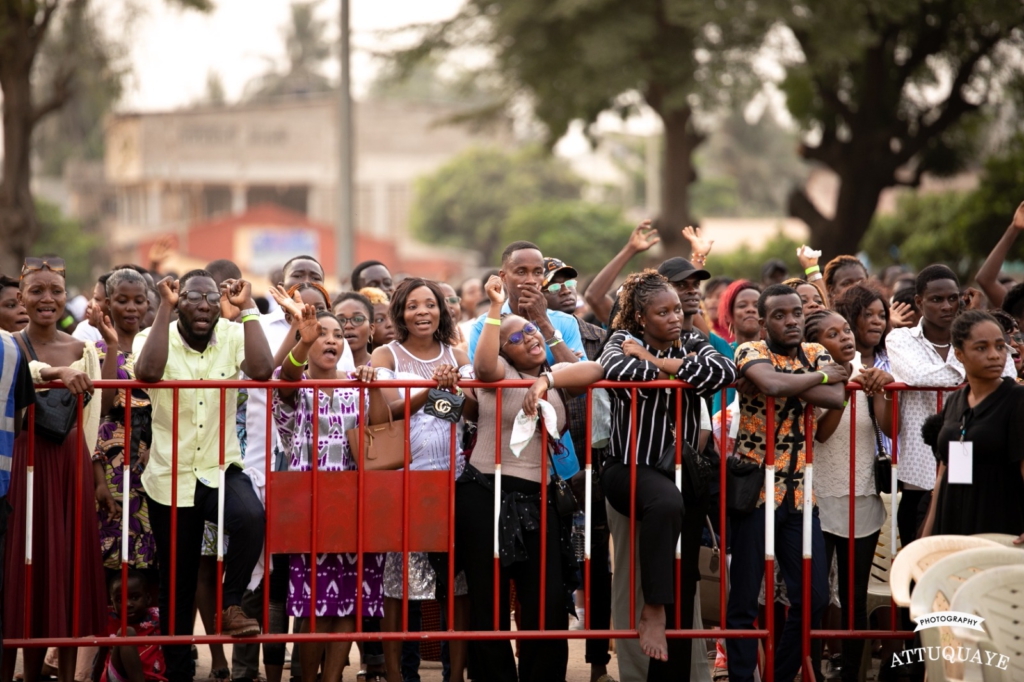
(383, 445)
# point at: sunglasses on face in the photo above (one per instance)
(195, 297)
(356, 320)
(556, 287)
(516, 338)
(33, 264)
(452, 300)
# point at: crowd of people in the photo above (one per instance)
(784, 361)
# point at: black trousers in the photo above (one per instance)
(659, 504)
(863, 555)
(600, 606)
(244, 522)
(539, 660)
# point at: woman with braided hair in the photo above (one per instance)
(841, 273)
(654, 340)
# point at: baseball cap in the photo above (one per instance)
(553, 266)
(677, 269)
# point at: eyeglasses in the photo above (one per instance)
(195, 297)
(33, 264)
(516, 338)
(452, 300)
(1017, 338)
(356, 320)
(557, 286)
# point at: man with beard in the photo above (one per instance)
(201, 345)
(799, 376)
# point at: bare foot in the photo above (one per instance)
(651, 629)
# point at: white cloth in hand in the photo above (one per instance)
(524, 426)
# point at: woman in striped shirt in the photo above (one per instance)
(654, 340)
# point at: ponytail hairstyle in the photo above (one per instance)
(634, 296)
(812, 324)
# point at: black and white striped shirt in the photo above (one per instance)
(707, 371)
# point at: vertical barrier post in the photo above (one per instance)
(405, 515)
(29, 511)
(451, 532)
(544, 466)
(679, 486)
(632, 509)
(76, 588)
(314, 458)
(769, 540)
(853, 492)
(126, 474)
(497, 511)
(587, 511)
(722, 482)
(267, 557)
(174, 510)
(221, 493)
(364, 419)
(808, 511)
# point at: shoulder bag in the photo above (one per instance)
(883, 460)
(383, 444)
(56, 408)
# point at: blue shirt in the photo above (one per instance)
(728, 350)
(16, 393)
(566, 325)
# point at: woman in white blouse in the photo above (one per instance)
(832, 483)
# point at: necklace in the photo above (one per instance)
(939, 345)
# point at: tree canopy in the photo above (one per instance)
(306, 50)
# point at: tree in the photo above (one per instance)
(24, 27)
(575, 60)
(65, 237)
(468, 201)
(886, 88)
(743, 262)
(214, 95)
(306, 49)
(583, 234)
(958, 228)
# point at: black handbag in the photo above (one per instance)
(883, 460)
(56, 409)
(699, 469)
(444, 405)
(744, 480)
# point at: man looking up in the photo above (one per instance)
(201, 345)
(798, 376)
(522, 271)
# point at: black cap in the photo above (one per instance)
(677, 269)
(774, 265)
(553, 266)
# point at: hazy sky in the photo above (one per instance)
(173, 50)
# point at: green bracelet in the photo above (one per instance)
(248, 318)
(294, 361)
(824, 378)
(813, 269)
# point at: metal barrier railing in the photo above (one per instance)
(292, 528)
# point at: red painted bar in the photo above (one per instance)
(76, 589)
(497, 491)
(314, 457)
(632, 510)
(267, 556)
(126, 487)
(769, 562)
(221, 492)
(174, 508)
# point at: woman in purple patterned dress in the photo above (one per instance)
(321, 343)
(127, 302)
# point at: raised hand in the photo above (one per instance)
(900, 315)
(495, 289)
(309, 327)
(532, 304)
(106, 328)
(161, 250)
(291, 304)
(239, 293)
(1018, 217)
(698, 245)
(643, 237)
(168, 289)
(807, 256)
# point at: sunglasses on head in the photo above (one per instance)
(356, 320)
(557, 286)
(195, 297)
(516, 338)
(452, 300)
(33, 264)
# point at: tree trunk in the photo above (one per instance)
(18, 226)
(677, 175)
(855, 207)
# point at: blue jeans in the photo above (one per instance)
(747, 570)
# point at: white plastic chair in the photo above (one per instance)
(935, 591)
(997, 595)
(1004, 539)
(914, 559)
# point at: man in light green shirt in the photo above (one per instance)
(201, 346)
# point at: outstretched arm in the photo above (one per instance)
(597, 297)
(988, 275)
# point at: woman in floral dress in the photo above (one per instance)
(321, 344)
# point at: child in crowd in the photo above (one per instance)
(133, 663)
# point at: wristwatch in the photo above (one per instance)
(249, 311)
(557, 335)
(551, 379)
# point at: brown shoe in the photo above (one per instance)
(235, 623)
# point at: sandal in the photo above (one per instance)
(375, 676)
(220, 674)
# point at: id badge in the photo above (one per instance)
(961, 462)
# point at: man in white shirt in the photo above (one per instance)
(923, 356)
(85, 331)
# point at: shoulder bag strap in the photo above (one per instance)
(28, 345)
(878, 432)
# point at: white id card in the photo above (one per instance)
(961, 462)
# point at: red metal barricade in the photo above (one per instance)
(404, 518)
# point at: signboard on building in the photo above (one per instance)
(268, 248)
